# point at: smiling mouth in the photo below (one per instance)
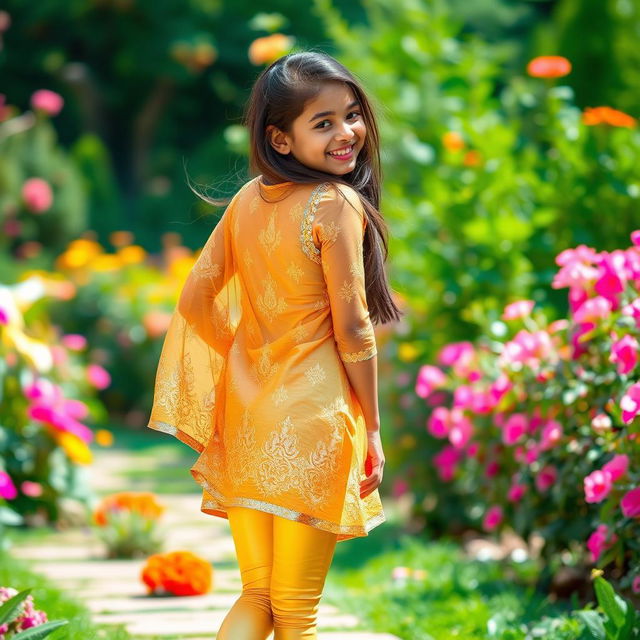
(344, 152)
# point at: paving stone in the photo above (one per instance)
(145, 603)
(185, 623)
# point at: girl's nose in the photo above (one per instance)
(345, 133)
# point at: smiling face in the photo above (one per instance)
(330, 125)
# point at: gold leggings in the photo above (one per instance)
(283, 564)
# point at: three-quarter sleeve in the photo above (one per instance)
(339, 225)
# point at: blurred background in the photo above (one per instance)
(511, 189)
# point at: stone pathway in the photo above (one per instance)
(113, 591)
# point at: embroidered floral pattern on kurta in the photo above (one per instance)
(251, 372)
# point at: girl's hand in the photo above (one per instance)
(373, 465)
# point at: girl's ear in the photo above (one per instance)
(278, 140)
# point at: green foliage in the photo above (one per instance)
(621, 621)
(128, 534)
(33, 151)
(56, 603)
(10, 611)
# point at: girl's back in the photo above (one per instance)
(273, 306)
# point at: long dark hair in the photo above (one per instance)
(278, 97)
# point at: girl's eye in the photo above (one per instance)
(356, 113)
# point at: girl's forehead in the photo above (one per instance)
(331, 93)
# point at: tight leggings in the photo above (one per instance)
(283, 565)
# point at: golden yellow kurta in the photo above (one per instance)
(251, 372)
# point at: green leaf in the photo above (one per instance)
(594, 624)
(41, 631)
(10, 607)
(612, 606)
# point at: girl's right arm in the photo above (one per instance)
(340, 231)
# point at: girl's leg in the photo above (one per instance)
(250, 617)
(302, 555)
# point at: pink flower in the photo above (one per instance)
(56, 417)
(400, 487)
(617, 466)
(451, 353)
(492, 518)
(576, 339)
(47, 101)
(527, 348)
(611, 281)
(630, 503)
(460, 430)
(472, 449)
(630, 403)
(597, 486)
(514, 429)
(8, 490)
(625, 353)
(516, 491)
(581, 253)
(438, 422)
(601, 423)
(37, 195)
(98, 376)
(446, 461)
(429, 378)
(546, 478)
(635, 237)
(492, 469)
(593, 310)
(499, 387)
(551, 435)
(518, 309)
(632, 309)
(597, 542)
(635, 585)
(74, 341)
(31, 489)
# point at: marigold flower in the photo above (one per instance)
(181, 573)
(593, 116)
(548, 67)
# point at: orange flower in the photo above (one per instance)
(181, 573)
(452, 141)
(144, 503)
(104, 437)
(266, 50)
(549, 67)
(472, 159)
(607, 115)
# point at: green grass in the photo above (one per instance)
(56, 603)
(458, 598)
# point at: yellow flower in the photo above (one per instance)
(106, 262)
(75, 448)
(407, 352)
(133, 254)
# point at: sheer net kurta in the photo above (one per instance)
(251, 373)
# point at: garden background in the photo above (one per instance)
(509, 391)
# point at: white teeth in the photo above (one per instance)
(341, 153)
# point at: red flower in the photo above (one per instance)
(549, 67)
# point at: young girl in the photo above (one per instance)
(269, 365)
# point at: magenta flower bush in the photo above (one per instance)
(539, 421)
(46, 435)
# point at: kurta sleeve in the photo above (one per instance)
(339, 226)
(201, 302)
